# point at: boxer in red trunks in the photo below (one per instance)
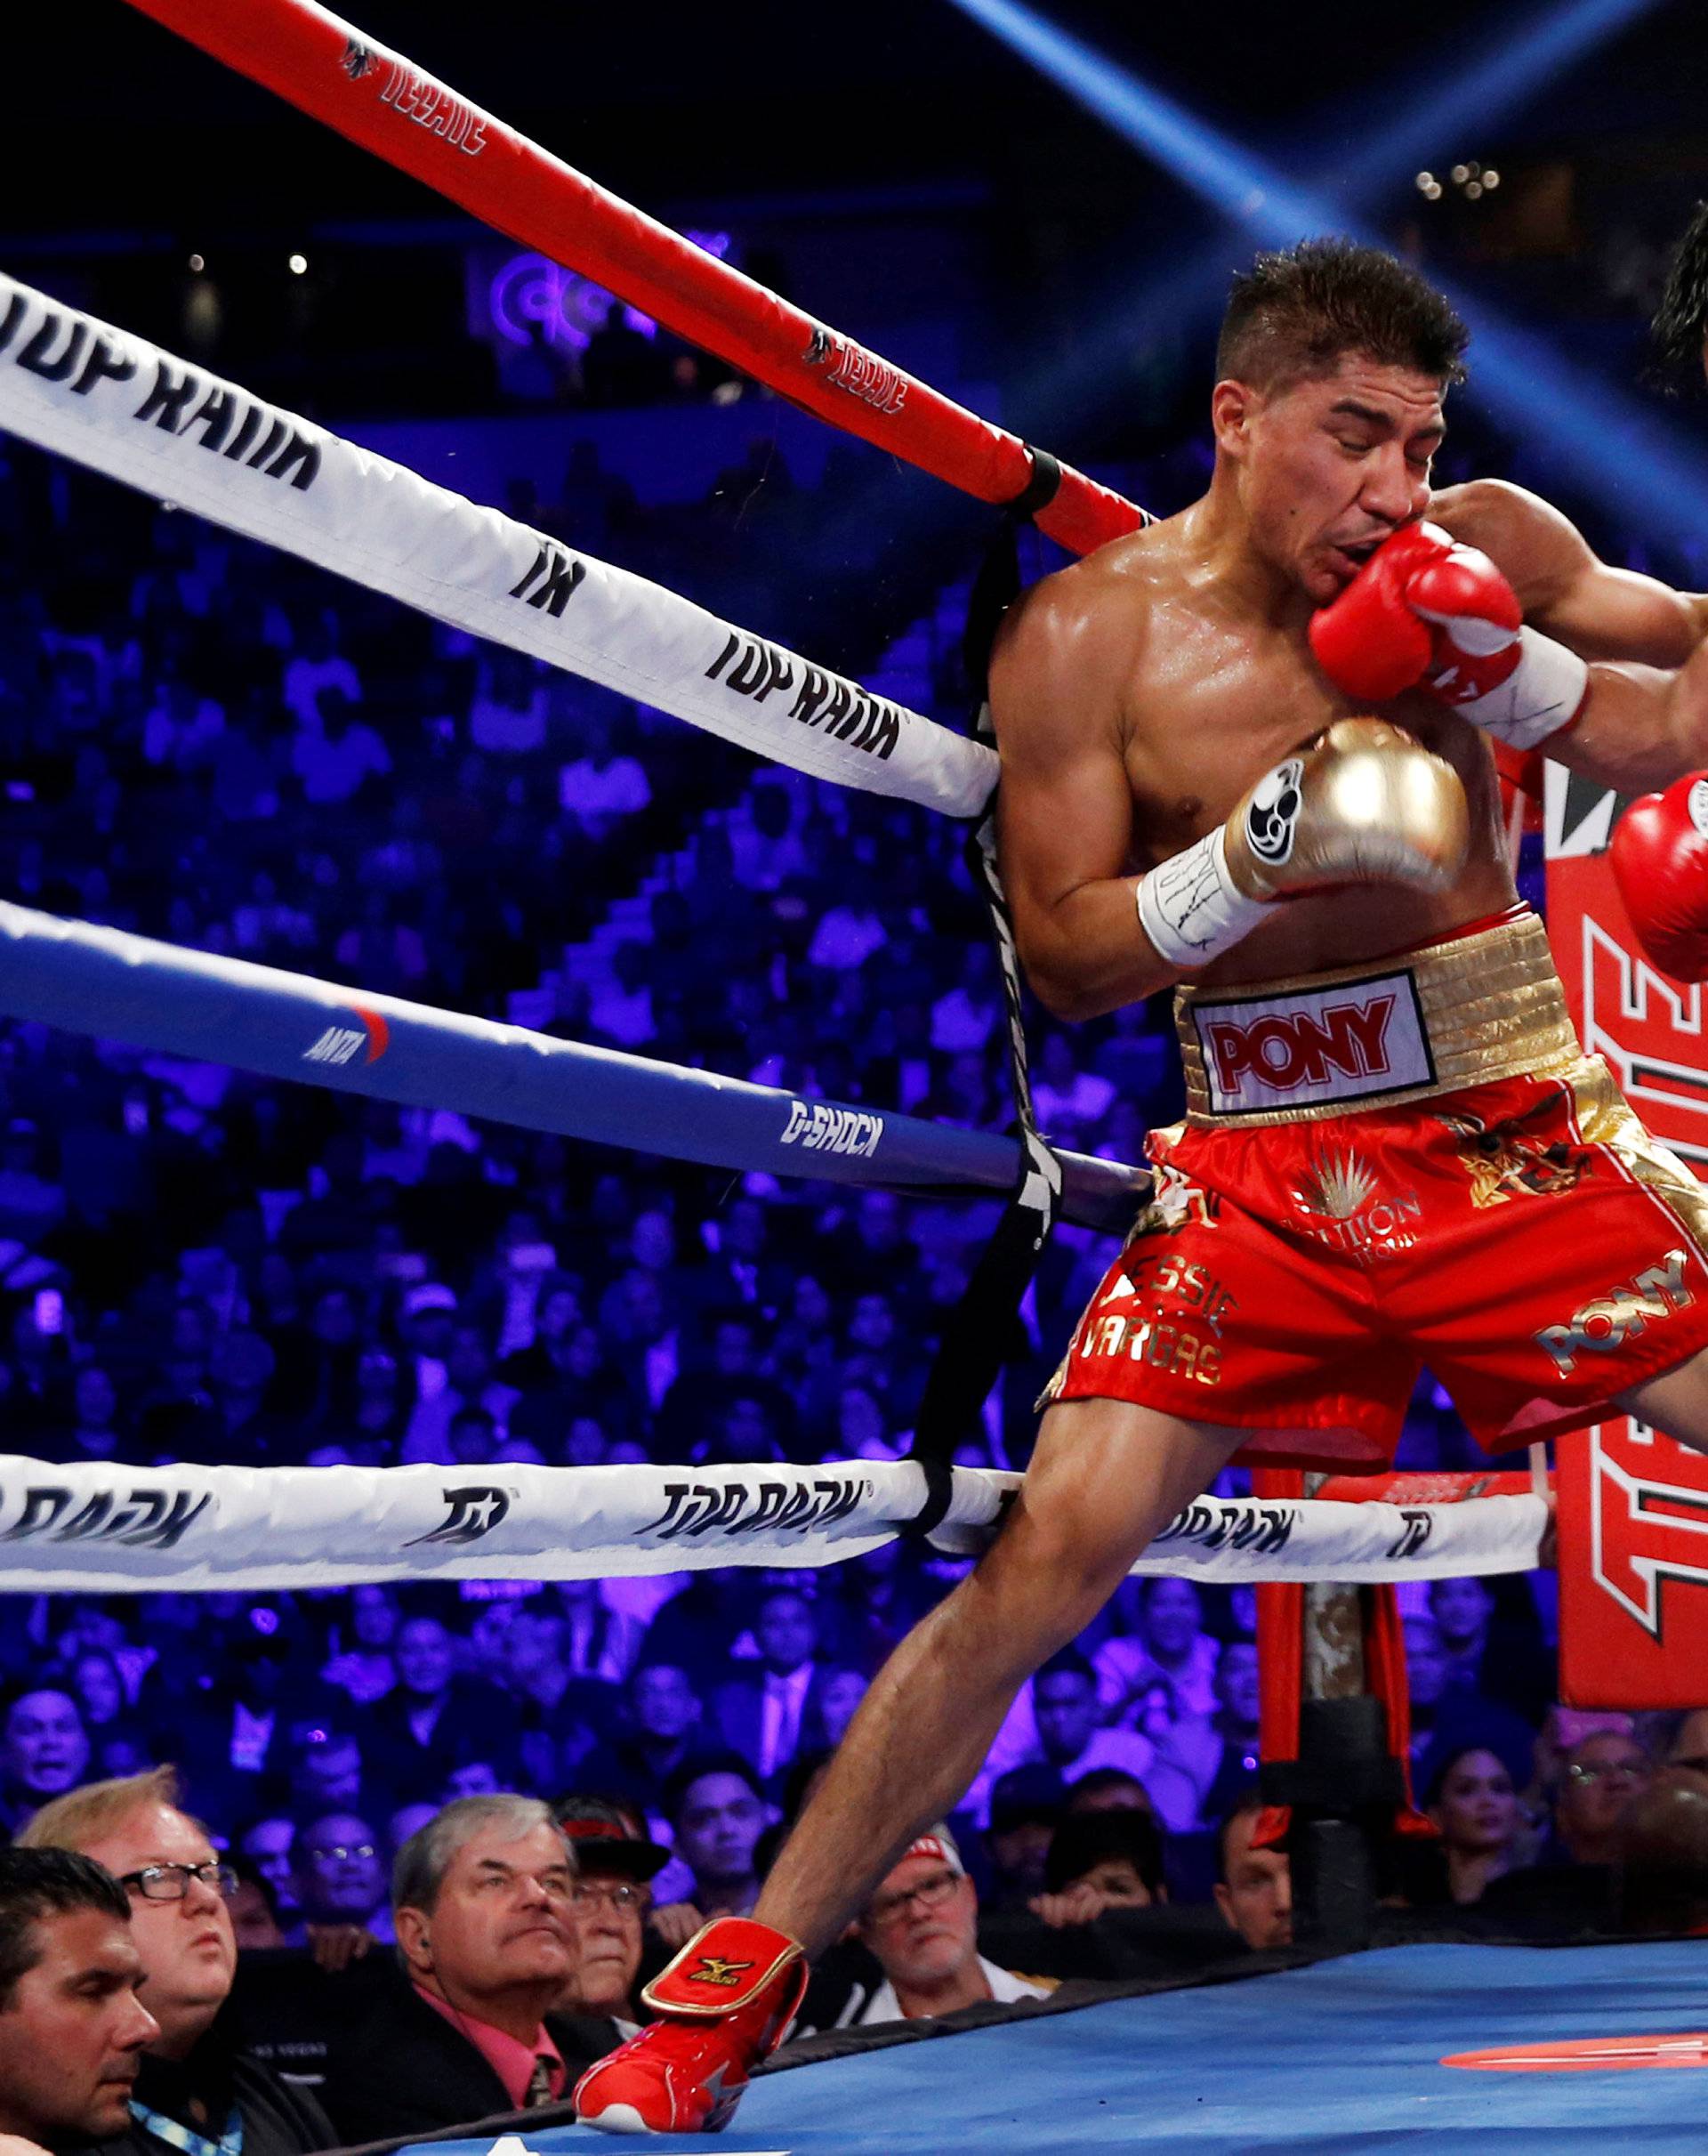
(1395, 1153)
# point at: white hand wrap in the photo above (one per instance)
(1543, 693)
(1190, 907)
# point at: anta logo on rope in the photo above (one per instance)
(1623, 1313)
(64, 347)
(860, 373)
(1321, 1044)
(471, 1515)
(343, 1044)
(1647, 1524)
(819, 1128)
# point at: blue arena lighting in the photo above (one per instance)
(1472, 102)
(1242, 186)
(1629, 456)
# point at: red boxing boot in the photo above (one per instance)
(725, 2002)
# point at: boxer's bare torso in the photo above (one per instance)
(1209, 697)
(1139, 693)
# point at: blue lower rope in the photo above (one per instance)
(218, 1010)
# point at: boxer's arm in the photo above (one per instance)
(1565, 590)
(1066, 813)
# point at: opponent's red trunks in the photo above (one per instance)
(1407, 1163)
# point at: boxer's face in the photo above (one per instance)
(1329, 465)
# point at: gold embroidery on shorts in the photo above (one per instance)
(1504, 1164)
(1605, 1117)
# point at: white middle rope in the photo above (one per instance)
(113, 401)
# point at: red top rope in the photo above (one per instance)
(385, 103)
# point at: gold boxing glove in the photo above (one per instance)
(1366, 803)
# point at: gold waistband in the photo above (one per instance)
(1491, 1005)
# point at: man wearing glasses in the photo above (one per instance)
(922, 1925)
(1603, 1775)
(195, 2094)
(610, 1902)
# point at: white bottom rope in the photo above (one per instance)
(98, 1529)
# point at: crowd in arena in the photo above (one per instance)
(207, 743)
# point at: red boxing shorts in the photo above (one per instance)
(1404, 1164)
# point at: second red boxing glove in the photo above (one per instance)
(1660, 863)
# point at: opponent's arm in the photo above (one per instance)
(1364, 803)
(1563, 588)
(1427, 611)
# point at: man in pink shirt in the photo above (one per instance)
(480, 1898)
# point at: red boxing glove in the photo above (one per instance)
(1370, 641)
(1425, 611)
(1660, 863)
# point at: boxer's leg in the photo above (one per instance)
(1676, 1401)
(1105, 1477)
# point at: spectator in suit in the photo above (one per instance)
(1168, 1642)
(659, 1734)
(193, 2078)
(718, 1809)
(72, 2027)
(433, 1720)
(1065, 1707)
(778, 1711)
(340, 1878)
(481, 1901)
(1253, 1886)
(236, 1734)
(1025, 1808)
(1491, 1639)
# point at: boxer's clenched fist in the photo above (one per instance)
(1660, 862)
(1426, 612)
(1364, 803)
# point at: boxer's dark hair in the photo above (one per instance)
(1680, 324)
(1296, 314)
